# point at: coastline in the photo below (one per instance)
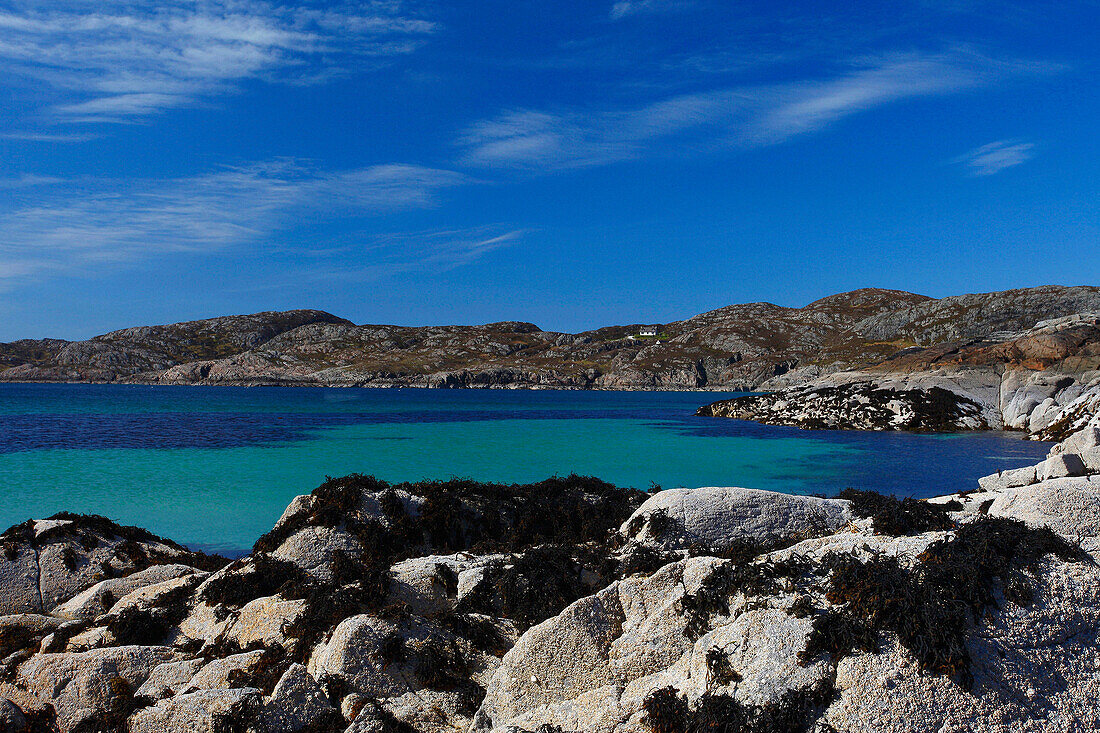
(441, 606)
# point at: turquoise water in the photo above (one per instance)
(215, 467)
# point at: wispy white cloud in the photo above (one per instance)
(114, 60)
(623, 8)
(996, 156)
(82, 223)
(741, 116)
(47, 137)
(29, 180)
(433, 251)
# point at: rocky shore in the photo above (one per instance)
(572, 605)
(1030, 381)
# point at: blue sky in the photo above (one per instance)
(574, 164)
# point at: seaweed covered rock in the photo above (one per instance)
(717, 518)
(47, 562)
(857, 405)
(204, 711)
(368, 519)
(824, 635)
(102, 596)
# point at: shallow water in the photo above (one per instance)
(215, 467)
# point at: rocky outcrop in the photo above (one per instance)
(856, 406)
(1020, 381)
(748, 346)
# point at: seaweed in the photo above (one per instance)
(267, 576)
(14, 637)
(719, 669)
(931, 606)
(479, 630)
(533, 586)
(732, 577)
(460, 514)
(798, 710)
(893, 516)
(383, 720)
(440, 664)
(264, 674)
(150, 626)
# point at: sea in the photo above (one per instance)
(214, 467)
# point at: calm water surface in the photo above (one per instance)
(215, 467)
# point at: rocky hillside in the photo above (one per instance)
(571, 605)
(1021, 380)
(737, 347)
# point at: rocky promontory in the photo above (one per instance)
(573, 605)
(1025, 380)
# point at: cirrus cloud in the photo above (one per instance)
(116, 61)
(82, 223)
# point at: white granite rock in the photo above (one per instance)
(718, 517)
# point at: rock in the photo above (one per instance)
(362, 652)
(169, 679)
(866, 405)
(99, 599)
(296, 704)
(264, 622)
(219, 673)
(24, 631)
(314, 548)
(11, 717)
(19, 592)
(719, 517)
(204, 711)
(1008, 479)
(1059, 466)
(1050, 648)
(431, 585)
(1069, 506)
(629, 630)
(88, 686)
(48, 562)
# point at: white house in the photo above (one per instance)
(648, 331)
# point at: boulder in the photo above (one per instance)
(374, 656)
(1069, 506)
(1060, 466)
(204, 711)
(49, 561)
(1008, 479)
(631, 629)
(720, 517)
(169, 679)
(24, 631)
(99, 599)
(12, 719)
(264, 622)
(297, 703)
(219, 673)
(85, 687)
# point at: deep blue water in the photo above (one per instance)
(216, 466)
